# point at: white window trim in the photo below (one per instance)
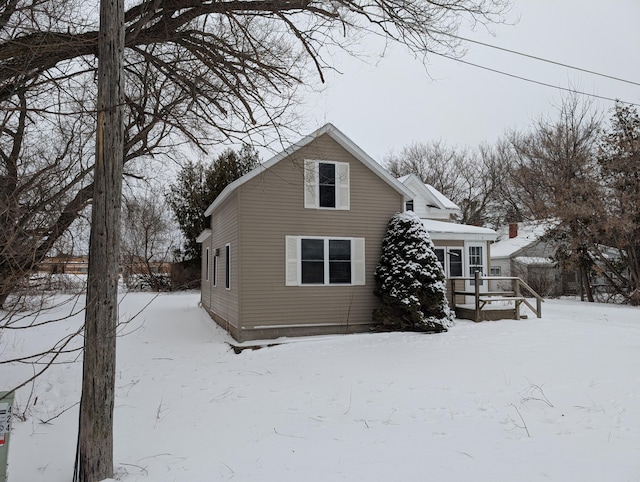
(293, 261)
(311, 185)
(227, 267)
(467, 265)
(215, 268)
(207, 265)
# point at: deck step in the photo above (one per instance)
(504, 298)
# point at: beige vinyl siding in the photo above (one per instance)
(224, 226)
(272, 206)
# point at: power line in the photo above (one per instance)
(534, 81)
(541, 59)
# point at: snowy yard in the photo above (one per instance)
(552, 399)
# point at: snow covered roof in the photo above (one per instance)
(333, 132)
(528, 233)
(533, 260)
(203, 236)
(429, 194)
(452, 231)
(442, 199)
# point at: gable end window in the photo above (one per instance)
(324, 261)
(326, 185)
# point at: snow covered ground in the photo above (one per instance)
(551, 399)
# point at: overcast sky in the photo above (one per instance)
(386, 106)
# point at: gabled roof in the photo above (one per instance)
(336, 135)
(430, 193)
(443, 200)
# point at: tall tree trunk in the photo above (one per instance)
(94, 457)
(584, 270)
(634, 273)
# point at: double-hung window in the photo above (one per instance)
(476, 261)
(324, 261)
(339, 261)
(326, 185)
(312, 261)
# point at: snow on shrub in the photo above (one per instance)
(410, 281)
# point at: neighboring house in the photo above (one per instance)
(294, 243)
(66, 264)
(521, 251)
(461, 249)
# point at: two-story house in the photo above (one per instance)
(293, 244)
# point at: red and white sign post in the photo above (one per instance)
(6, 404)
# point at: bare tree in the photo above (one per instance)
(148, 241)
(434, 163)
(470, 178)
(619, 160)
(43, 176)
(554, 174)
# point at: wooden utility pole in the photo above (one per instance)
(94, 457)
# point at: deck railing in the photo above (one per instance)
(485, 298)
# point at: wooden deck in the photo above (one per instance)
(495, 305)
(491, 313)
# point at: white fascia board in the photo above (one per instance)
(232, 187)
(336, 135)
(442, 200)
(368, 161)
(443, 231)
(455, 236)
(202, 237)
